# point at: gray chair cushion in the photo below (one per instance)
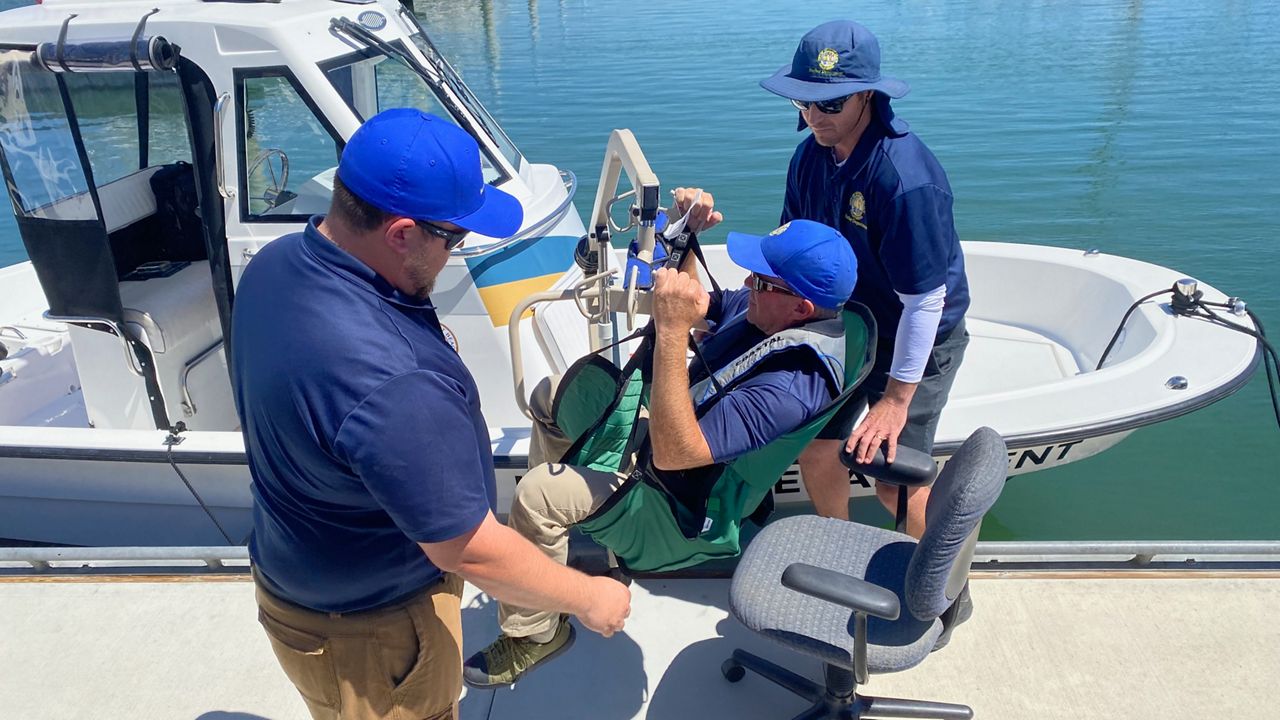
(965, 490)
(817, 627)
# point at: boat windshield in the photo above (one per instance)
(451, 76)
(385, 75)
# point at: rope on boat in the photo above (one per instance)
(1190, 304)
(173, 439)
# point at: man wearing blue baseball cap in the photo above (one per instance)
(373, 481)
(775, 352)
(861, 170)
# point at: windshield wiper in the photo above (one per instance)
(363, 36)
(366, 38)
(454, 80)
(433, 54)
(460, 102)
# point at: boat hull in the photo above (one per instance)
(135, 497)
(86, 486)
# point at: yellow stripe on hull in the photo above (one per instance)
(500, 300)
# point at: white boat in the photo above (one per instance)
(150, 153)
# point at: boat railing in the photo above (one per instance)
(216, 559)
(540, 227)
(131, 361)
(994, 557)
(189, 404)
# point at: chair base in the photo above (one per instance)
(838, 700)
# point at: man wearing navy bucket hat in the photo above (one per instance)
(373, 481)
(862, 171)
(774, 352)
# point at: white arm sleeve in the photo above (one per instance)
(917, 330)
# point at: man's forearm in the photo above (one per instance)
(899, 393)
(677, 441)
(502, 563)
(917, 330)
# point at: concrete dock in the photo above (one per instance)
(1077, 644)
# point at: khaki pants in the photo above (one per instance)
(402, 662)
(550, 499)
(547, 442)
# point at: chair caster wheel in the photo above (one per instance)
(732, 670)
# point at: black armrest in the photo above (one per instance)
(911, 467)
(845, 590)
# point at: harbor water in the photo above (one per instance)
(1149, 130)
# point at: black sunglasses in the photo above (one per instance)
(760, 285)
(829, 107)
(452, 238)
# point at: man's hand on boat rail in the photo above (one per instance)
(704, 215)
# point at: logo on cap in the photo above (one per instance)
(781, 230)
(828, 58)
(857, 209)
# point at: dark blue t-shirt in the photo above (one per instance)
(785, 393)
(891, 199)
(362, 428)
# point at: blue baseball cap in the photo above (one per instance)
(834, 60)
(813, 259)
(411, 163)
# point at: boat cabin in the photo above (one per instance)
(150, 149)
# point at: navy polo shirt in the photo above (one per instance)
(891, 199)
(362, 428)
(784, 394)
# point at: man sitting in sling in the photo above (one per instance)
(776, 357)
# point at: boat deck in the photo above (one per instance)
(1061, 644)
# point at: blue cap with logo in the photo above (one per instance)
(813, 259)
(410, 163)
(834, 60)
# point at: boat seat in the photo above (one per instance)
(1006, 358)
(175, 315)
(127, 200)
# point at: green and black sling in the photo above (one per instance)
(660, 521)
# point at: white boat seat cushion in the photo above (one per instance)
(177, 317)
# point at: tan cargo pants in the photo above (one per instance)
(402, 662)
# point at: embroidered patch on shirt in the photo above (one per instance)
(449, 337)
(857, 210)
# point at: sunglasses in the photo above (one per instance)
(452, 238)
(760, 285)
(828, 107)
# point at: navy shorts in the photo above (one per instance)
(926, 404)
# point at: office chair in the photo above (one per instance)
(862, 599)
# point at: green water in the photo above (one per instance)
(1141, 129)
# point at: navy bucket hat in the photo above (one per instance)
(411, 163)
(834, 60)
(813, 259)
